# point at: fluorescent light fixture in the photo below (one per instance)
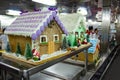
(47, 2)
(13, 12)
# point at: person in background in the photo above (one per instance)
(97, 36)
(90, 30)
(96, 33)
(3, 39)
(113, 41)
(78, 42)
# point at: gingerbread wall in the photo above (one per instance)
(22, 40)
(52, 29)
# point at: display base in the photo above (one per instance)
(1, 51)
(92, 57)
(22, 60)
(31, 62)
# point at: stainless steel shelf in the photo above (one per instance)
(23, 72)
(64, 71)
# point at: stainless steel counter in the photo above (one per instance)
(41, 76)
(64, 71)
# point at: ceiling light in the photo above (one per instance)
(13, 12)
(47, 2)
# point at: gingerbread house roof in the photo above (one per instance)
(33, 23)
(71, 21)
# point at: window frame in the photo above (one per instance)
(41, 39)
(55, 39)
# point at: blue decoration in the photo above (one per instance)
(93, 47)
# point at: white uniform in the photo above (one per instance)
(4, 40)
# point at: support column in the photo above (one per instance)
(105, 28)
(105, 25)
(118, 30)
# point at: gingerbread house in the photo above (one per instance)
(75, 24)
(72, 21)
(41, 29)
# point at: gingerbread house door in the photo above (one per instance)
(51, 47)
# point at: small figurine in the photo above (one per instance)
(36, 55)
(78, 42)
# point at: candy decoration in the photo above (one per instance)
(52, 8)
(51, 17)
(48, 20)
(45, 24)
(65, 32)
(34, 36)
(54, 13)
(41, 28)
(59, 22)
(38, 32)
(56, 18)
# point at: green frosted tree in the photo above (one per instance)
(75, 41)
(87, 37)
(64, 43)
(28, 52)
(18, 50)
(8, 48)
(71, 39)
(83, 29)
(69, 43)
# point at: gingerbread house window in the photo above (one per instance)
(76, 33)
(56, 38)
(43, 38)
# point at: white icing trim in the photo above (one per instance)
(54, 37)
(43, 36)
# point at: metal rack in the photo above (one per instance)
(21, 72)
